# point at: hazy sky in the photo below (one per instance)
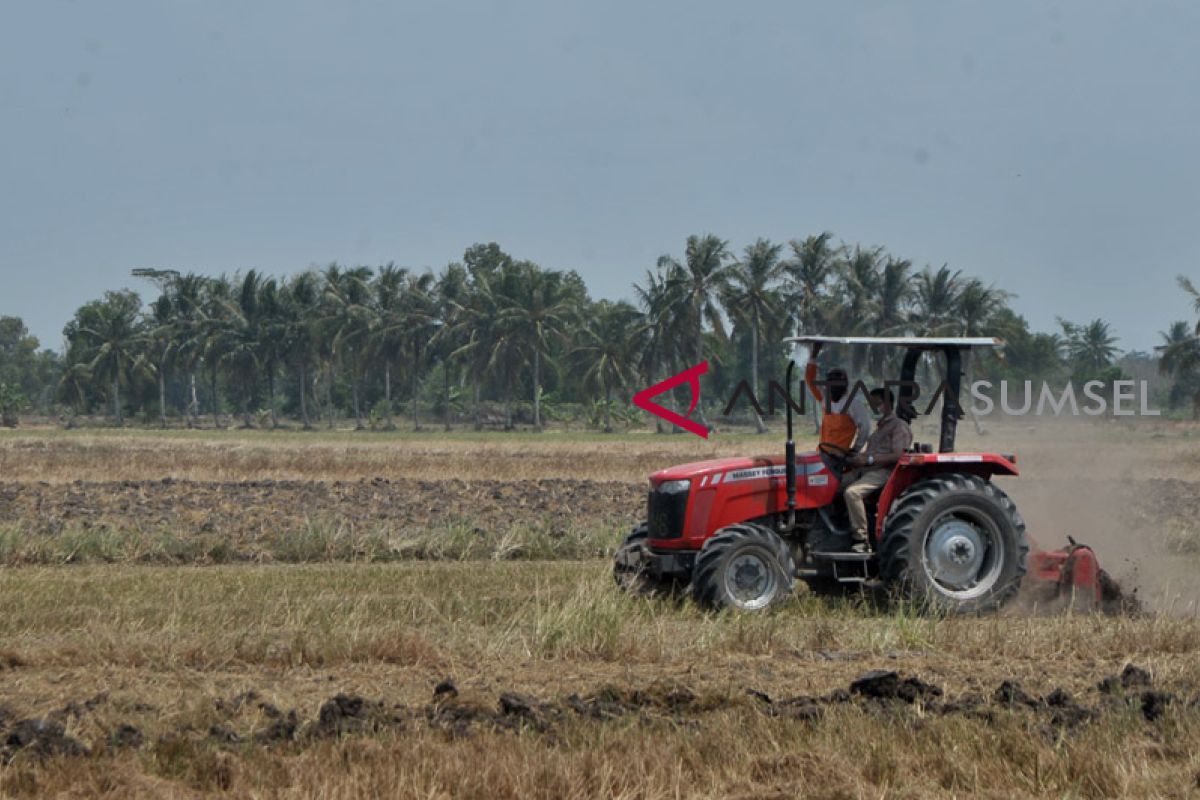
(1049, 147)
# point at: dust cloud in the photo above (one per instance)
(1129, 491)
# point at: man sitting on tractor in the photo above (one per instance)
(891, 438)
(846, 422)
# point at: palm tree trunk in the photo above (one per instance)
(387, 394)
(446, 393)
(478, 410)
(117, 401)
(271, 395)
(608, 428)
(329, 394)
(193, 406)
(537, 394)
(215, 401)
(758, 423)
(699, 358)
(416, 389)
(651, 377)
(304, 397)
(358, 420)
(162, 397)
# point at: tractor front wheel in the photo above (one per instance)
(954, 543)
(747, 567)
(629, 566)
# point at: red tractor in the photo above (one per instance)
(740, 531)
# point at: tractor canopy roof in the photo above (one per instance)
(921, 342)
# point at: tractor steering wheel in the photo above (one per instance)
(834, 451)
(835, 457)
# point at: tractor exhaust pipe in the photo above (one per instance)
(789, 450)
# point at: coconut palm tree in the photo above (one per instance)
(161, 341)
(349, 320)
(752, 298)
(162, 337)
(418, 315)
(858, 276)
(1179, 357)
(452, 296)
(212, 336)
(109, 337)
(301, 320)
(935, 301)
(476, 332)
(387, 339)
(240, 339)
(858, 279)
(609, 348)
(813, 263)
(1091, 347)
(700, 281)
(888, 312)
(1186, 284)
(663, 336)
(187, 329)
(538, 311)
(978, 304)
(273, 338)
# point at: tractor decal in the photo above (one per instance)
(770, 472)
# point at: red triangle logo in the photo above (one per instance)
(690, 376)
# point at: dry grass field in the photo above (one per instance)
(419, 615)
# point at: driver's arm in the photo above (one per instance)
(862, 423)
(810, 378)
(875, 460)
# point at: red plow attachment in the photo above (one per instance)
(1072, 576)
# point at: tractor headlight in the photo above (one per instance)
(674, 487)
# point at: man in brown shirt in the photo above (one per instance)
(887, 443)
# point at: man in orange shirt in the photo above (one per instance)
(846, 423)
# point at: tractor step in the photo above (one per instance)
(848, 567)
(840, 556)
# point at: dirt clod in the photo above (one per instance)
(887, 685)
(126, 735)
(223, 734)
(282, 729)
(1154, 704)
(1132, 677)
(1010, 693)
(42, 737)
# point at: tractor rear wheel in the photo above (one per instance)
(954, 543)
(629, 566)
(747, 566)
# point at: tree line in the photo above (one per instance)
(492, 339)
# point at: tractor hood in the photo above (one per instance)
(697, 469)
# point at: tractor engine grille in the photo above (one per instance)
(664, 514)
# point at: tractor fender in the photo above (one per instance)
(912, 467)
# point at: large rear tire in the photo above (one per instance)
(954, 543)
(747, 567)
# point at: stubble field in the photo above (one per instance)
(347, 615)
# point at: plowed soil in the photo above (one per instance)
(246, 510)
(497, 679)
